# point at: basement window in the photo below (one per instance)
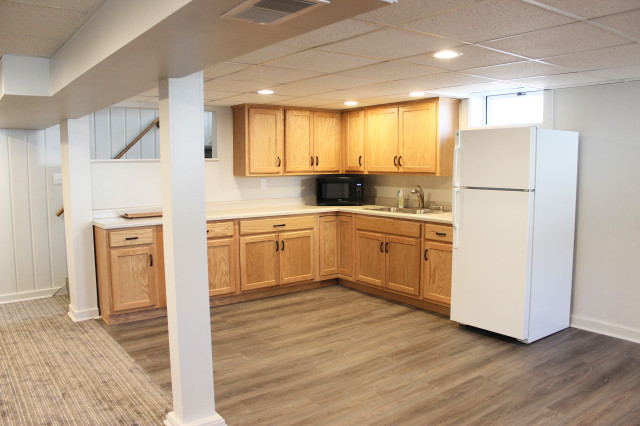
(514, 108)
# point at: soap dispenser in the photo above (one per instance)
(400, 198)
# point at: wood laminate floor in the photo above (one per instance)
(337, 356)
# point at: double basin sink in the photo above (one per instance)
(403, 210)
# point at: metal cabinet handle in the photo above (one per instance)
(312, 160)
(425, 254)
(279, 225)
(279, 162)
(317, 162)
(131, 238)
(400, 161)
(360, 161)
(277, 245)
(386, 247)
(381, 245)
(282, 248)
(395, 160)
(441, 234)
(150, 260)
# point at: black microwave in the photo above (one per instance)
(340, 190)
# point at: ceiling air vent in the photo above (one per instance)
(271, 11)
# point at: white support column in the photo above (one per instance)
(78, 217)
(185, 251)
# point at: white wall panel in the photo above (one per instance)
(57, 246)
(102, 133)
(38, 208)
(8, 283)
(117, 123)
(20, 203)
(131, 130)
(147, 143)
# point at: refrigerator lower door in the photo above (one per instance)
(490, 283)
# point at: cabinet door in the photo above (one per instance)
(296, 256)
(326, 135)
(345, 247)
(382, 140)
(223, 266)
(370, 258)
(418, 138)
(265, 141)
(133, 282)
(298, 141)
(436, 272)
(328, 245)
(259, 261)
(353, 140)
(403, 264)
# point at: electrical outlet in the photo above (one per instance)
(57, 178)
(263, 184)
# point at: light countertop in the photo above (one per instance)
(230, 211)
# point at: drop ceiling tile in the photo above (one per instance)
(391, 70)
(320, 61)
(272, 75)
(254, 98)
(486, 88)
(222, 103)
(472, 57)
(517, 70)
(331, 33)
(609, 57)
(69, 4)
(390, 43)
(303, 102)
(571, 38)
(214, 95)
(620, 73)
(223, 68)
(266, 54)
(226, 85)
(410, 10)
(28, 46)
(593, 8)
(424, 84)
(489, 20)
(346, 95)
(627, 23)
(336, 81)
(336, 105)
(38, 21)
(299, 88)
(560, 80)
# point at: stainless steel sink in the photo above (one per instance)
(402, 210)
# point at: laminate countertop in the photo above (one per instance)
(230, 212)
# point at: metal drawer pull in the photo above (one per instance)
(360, 161)
(381, 245)
(312, 160)
(425, 254)
(282, 249)
(150, 260)
(131, 238)
(395, 160)
(317, 162)
(282, 224)
(441, 234)
(400, 161)
(386, 247)
(277, 245)
(279, 162)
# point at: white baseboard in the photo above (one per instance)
(606, 328)
(215, 420)
(87, 314)
(27, 295)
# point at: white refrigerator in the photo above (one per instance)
(514, 203)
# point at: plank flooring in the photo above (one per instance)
(337, 356)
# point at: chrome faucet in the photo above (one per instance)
(420, 193)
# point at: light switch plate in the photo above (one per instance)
(57, 178)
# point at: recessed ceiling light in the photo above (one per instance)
(416, 94)
(446, 54)
(265, 92)
(351, 103)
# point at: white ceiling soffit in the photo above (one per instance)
(125, 48)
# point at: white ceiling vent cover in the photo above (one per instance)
(271, 11)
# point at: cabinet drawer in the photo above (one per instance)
(438, 232)
(276, 224)
(131, 237)
(388, 226)
(220, 229)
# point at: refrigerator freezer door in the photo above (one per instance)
(490, 284)
(496, 158)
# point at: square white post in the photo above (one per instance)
(185, 251)
(78, 218)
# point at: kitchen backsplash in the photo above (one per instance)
(383, 190)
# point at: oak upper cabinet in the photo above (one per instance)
(326, 141)
(222, 255)
(129, 271)
(258, 136)
(277, 250)
(418, 145)
(353, 141)
(346, 246)
(382, 140)
(436, 264)
(298, 143)
(327, 245)
(388, 254)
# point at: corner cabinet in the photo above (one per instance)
(258, 135)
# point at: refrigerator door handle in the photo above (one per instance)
(456, 161)
(456, 225)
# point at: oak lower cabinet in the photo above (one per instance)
(129, 271)
(328, 255)
(275, 251)
(436, 264)
(388, 254)
(222, 258)
(346, 246)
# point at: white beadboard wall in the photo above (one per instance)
(32, 248)
(113, 128)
